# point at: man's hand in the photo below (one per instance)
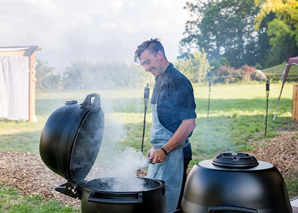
(158, 156)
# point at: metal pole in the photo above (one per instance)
(210, 84)
(267, 94)
(146, 97)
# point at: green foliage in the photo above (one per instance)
(46, 79)
(260, 33)
(224, 29)
(285, 21)
(279, 19)
(83, 75)
(78, 75)
(195, 67)
(186, 67)
(221, 62)
(215, 64)
(227, 74)
(224, 61)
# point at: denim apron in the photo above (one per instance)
(171, 169)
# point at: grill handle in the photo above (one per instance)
(214, 209)
(125, 198)
(87, 103)
(69, 189)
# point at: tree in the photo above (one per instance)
(102, 75)
(46, 79)
(224, 28)
(285, 22)
(200, 64)
(280, 18)
(195, 67)
(78, 76)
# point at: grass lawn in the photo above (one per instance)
(278, 69)
(236, 120)
(11, 202)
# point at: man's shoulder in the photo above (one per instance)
(176, 75)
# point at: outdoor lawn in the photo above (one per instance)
(236, 123)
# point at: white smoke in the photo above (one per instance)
(113, 160)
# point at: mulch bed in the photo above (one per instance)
(281, 151)
(29, 174)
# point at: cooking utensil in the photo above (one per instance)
(143, 166)
(146, 97)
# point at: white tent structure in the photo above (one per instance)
(17, 82)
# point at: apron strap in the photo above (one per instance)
(181, 146)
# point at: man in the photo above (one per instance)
(173, 120)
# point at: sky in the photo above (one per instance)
(91, 30)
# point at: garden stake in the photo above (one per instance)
(146, 97)
(267, 94)
(210, 84)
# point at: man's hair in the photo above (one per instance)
(153, 46)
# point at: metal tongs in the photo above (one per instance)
(143, 166)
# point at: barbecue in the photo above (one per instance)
(235, 183)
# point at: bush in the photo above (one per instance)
(227, 74)
(214, 63)
(224, 61)
(247, 70)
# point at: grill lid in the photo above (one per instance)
(71, 138)
(240, 160)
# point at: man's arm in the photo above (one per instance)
(183, 131)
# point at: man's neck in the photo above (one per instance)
(165, 65)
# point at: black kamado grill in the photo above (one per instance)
(235, 183)
(69, 144)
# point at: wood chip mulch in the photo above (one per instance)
(31, 176)
(281, 151)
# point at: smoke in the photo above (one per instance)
(114, 160)
(118, 184)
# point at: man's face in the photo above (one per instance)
(151, 63)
